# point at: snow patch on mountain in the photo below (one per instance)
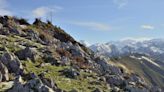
(145, 58)
(149, 60)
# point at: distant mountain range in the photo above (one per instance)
(153, 48)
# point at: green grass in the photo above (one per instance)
(12, 42)
(155, 76)
(143, 70)
(81, 84)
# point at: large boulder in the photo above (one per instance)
(115, 70)
(3, 20)
(76, 50)
(70, 73)
(65, 60)
(26, 53)
(33, 85)
(115, 80)
(12, 63)
(51, 60)
(102, 66)
(18, 87)
(48, 81)
(37, 85)
(33, 35)
(15, 31)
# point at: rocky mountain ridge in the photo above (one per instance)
(41, 57)
(151, 47)
(144, 66)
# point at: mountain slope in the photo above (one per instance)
(145, 67)
(142, 57)
(41, 57)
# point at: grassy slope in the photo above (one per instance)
(145, 71)
(81, 83)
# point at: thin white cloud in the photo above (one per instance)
(44, 11)
(93, 26)
(138, 39)
(3, 8)
(5, 12)
(147, 27)
(120, 3)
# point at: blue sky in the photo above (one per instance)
(95, 20)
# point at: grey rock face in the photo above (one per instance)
(77, 51)
(15, 31)
(50, 59)
(27, 53)
(49, 82)
(115, 70)
(34, 85)
(70, 73)
(115, 80)
(32, 35)
(11, 62)
(65, 60)
(104, 67)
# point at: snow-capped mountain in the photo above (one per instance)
(152, 47)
